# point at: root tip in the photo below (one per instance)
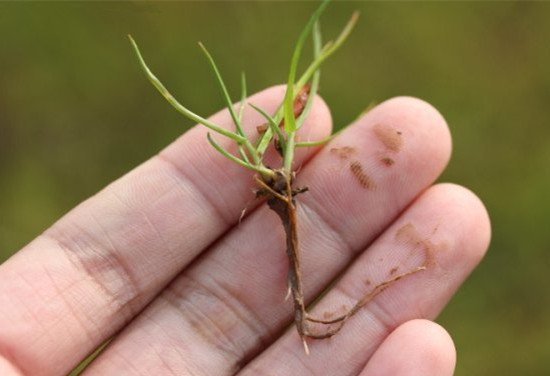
(306, 347)
(288, 293)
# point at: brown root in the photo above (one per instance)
(281, 199)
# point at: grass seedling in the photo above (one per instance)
(276, 185)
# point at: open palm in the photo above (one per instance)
(160, 261)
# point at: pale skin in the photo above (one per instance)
(159, 260)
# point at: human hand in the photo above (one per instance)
(159, 260)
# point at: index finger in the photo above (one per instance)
(89, 274)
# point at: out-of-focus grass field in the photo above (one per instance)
(76, 112)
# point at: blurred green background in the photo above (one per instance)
(76, 112)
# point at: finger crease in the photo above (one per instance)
(247, 316)
(208, 315)
(104, 268)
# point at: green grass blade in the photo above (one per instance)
(242, 152)
(264, 171)
(181, 109)
(243, 155)
(263, 142)
(308, 144)
(346, 31)
(228, 155)
(243, 97)
(226, 96)
(305, 144)
(290, 123)
(329, 49)
(317, 45)
(253, 152)
(271, 122)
